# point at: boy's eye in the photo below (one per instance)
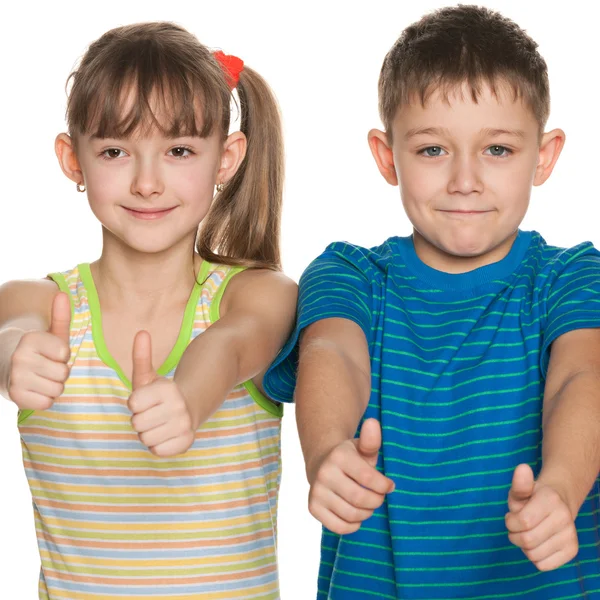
(180, 152)
(113, 153)
(498, 151)
(432, 151)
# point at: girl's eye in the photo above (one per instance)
(180, 152)
(498, 151)
(111, 153)
(432, 151)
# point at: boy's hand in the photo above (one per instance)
(347, 487)
(540, 522)
(38, 366)
(160, 413)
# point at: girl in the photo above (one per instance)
(157, 483)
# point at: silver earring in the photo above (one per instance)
(220, 187)
(81, 187)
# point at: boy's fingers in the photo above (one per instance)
(539, 507)
(366, 475)
(332, 521)
(555, 544)
(369, 441)
(340, 507)
(142, 373)
(521, 489)
(355, 494)
(530, 539)
(556, 560)
(60, 322)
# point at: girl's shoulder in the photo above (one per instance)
(258, 286)
(27, 298)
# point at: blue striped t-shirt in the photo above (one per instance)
(458, 367)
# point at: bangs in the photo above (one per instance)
(445, 87)
(419, 86)
(144, 87)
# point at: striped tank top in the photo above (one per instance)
(115, 521)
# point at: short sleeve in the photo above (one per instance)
(573, 296)
(337, 284)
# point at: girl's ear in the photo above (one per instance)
(233, 153)
(65, 152)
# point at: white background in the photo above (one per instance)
(323, 60)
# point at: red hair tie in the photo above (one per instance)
(232, 67)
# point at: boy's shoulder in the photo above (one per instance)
(549, 262)
(370, 261)
(541, 263)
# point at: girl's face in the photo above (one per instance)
(150, 191)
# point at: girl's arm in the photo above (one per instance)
(257, 316)
(24, 306)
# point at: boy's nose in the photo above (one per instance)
(465, 176)
(147, 180)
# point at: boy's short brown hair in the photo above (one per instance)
(463, 44)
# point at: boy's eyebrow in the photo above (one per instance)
(488, 132)
(425, 131)
(497, 132)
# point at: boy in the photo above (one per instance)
(453, 350)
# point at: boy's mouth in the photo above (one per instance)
(465, 213)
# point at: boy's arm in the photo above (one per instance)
(571, 417)
(542, 512)
(332, 393)
(333, 387)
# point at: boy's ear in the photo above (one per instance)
(550, 148)
(232, 155)
(382, 153)
(65, 152)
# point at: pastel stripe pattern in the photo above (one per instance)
(113, 520)
(458, 369)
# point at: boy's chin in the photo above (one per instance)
(478, 249)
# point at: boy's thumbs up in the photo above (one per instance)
(521, 490)
(369, 441)
(143, 372)
(60, 322)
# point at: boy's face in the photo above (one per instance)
(465, 171)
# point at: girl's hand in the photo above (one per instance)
(160, 413)
(38, 366)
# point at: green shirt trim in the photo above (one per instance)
(183, 339)
(271, 407)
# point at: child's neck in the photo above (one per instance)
(124, 277)
(439, 260)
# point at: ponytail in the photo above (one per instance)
(243, 225)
